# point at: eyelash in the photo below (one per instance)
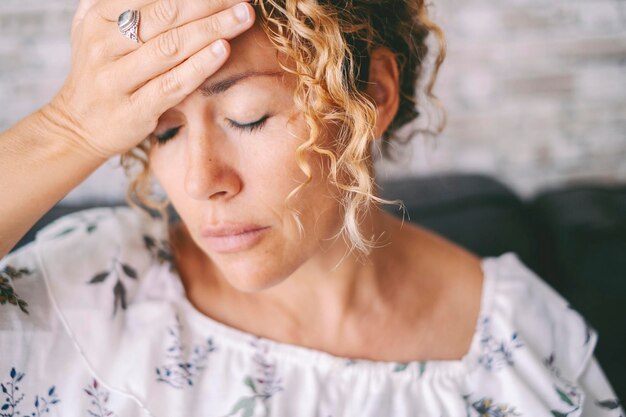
(249, 128)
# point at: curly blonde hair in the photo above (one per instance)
(329, 43)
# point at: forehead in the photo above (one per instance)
(251, 51)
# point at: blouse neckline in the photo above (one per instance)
(303, 356)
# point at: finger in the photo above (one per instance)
(169, 89)
(155, 18)
(81, 10)
(87, 6)
(164, 15)
(169, 49)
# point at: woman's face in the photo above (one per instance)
(233, 160)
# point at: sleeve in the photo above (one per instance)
(561, 337)
(600, 399)
(574, 347)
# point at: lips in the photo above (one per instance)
(231, 238)
(229, 229)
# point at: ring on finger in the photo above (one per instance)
(128, 24)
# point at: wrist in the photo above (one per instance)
(58, 125)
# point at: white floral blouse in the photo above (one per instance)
(94, 322)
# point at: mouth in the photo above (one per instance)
(235, 241)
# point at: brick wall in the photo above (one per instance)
(535, 90)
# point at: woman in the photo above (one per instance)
(283, 290)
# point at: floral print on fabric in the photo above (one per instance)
(402, 366)
(160, 250)
(99, 400)
(568, 395)
(495, 353)
(180, 372)
(397, 367)
(187, 375)
(486, 407)
(120, 272)
(610, 404)
(83, 220)
(12, 405)
(263, 384)
(7, 293)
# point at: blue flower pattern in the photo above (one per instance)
(13, 396)
(179, 372)
(496, 353)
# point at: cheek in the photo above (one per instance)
(279, 167)
(167, 172)
(279, 173)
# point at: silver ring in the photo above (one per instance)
(128, 23)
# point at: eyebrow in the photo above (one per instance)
(218, 87)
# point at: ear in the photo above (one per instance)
(383, 87)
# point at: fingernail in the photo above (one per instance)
(241, 12)
(218, 48)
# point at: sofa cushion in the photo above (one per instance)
(582, 238)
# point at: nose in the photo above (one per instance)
(208, 173)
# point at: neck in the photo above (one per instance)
(336, 284)
(327, 295)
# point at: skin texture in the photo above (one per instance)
(416, 297)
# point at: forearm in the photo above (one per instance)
(41, 161)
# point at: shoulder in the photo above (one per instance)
(85, 236)
(112, 223)
(451, 277)
(531, 341)
(91, 254)
(530, 313)
(507, 310)
(86, 247)
(31, 334)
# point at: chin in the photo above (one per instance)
(254, 283)
(250, 274)
(259, 268)
(253, 288)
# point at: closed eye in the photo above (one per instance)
(167, 135)
(248, 127)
